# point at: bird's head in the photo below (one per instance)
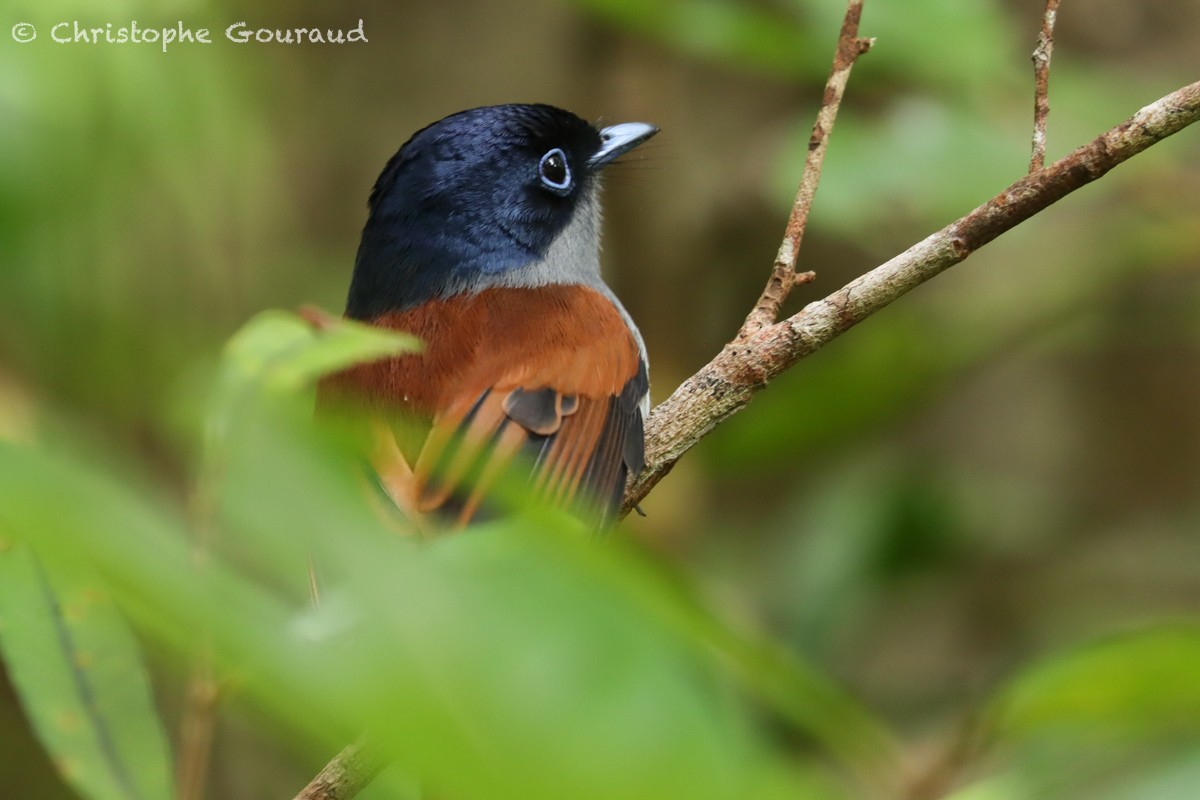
(494, 196)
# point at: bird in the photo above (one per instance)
(482, 240)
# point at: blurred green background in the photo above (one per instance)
(1003, 463)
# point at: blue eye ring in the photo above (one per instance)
(555, 171)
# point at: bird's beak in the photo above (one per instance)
(616, 140)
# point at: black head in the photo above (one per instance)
(480, 198)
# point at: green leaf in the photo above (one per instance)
(483, 618)
(283, 352)
(278, 353)
(1169, 780)
(1141, 685)
(1115, 718)
(79, 675)
(524, 661)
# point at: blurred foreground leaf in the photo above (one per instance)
(523, 660)
(1118, 718)
(1134, 686)
(79, 674)
(280, 351)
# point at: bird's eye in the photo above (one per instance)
(555, 172)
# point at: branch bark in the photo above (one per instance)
(727, 383)
(345, 776)
(1041, 85)
(783, 273)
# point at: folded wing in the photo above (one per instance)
(551, 374)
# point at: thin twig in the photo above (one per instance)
(196, 730)
(725, 385)
(198, 723)
(345, 776)
(783, 274)
(1041, 85)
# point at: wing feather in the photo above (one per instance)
(554, 373)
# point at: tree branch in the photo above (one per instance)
(345, 776)
(1041, 85)
(726, 384)
(783, 274)
(197, 728)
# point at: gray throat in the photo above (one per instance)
(573, 257)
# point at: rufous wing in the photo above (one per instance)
(548, 377)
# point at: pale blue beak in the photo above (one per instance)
(616, 140)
